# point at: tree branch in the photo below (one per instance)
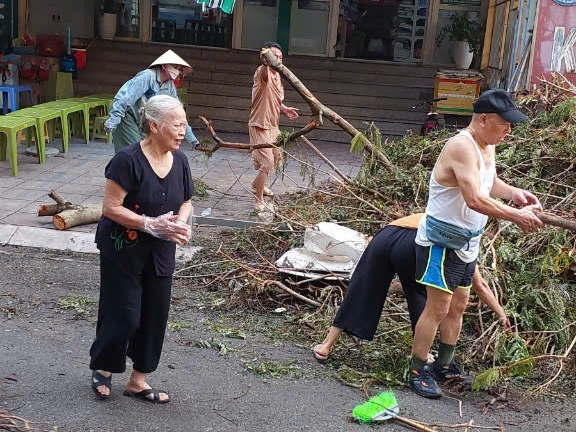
(557, 221)
(225, 144)
(319, 109)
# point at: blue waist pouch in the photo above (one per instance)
(447, 235)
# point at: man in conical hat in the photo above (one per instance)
(158, 79)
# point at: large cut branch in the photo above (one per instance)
(557, 221)
(67, 215)
(320, 110)
(220, 143)
(225, 144)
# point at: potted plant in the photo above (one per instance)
(467, 35)
(109, 10)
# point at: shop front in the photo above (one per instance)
(408, 31)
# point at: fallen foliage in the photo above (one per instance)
(532, 275)
(12, 423)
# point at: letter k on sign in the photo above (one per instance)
(563, 50)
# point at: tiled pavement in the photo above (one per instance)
(79, 177)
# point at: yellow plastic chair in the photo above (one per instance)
(98, 129)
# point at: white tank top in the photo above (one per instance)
(448, 205)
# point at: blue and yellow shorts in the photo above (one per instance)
(441, 268)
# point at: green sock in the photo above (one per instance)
(417, 363)
(445, 354)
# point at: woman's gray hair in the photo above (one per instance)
(156, 109)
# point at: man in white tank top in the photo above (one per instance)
(463, 191)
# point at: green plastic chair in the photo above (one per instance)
(10, 126)
(59, 86)
(68, 108)
(102, 96)
(106, 101)
(98, 130)
(44, 115)
(91, 104)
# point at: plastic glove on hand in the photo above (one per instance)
(166, 228)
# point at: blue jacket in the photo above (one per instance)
(136, 92)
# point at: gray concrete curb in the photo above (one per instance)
(70, 241)
(47, 238)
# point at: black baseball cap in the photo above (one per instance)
(499, 102)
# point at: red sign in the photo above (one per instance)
(555, 42)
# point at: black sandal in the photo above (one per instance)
(100, 380)
(143, 395)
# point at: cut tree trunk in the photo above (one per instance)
(77, 215)
(67, 215)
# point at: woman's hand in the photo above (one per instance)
(167, 228)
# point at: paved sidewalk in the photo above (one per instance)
(79, 177)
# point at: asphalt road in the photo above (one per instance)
(44, 373)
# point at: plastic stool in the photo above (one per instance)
(67, 108)
(98, 129)
(21, 136)
(105, 101)
(10, 126)
(59, 86)
(10, 96)
(42, 116)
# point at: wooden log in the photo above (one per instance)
(557, 221)
(58, 198)
(52, 209)
(77, 215)
(49, 209)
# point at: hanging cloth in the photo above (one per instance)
(225, 5)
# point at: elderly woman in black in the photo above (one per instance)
(145, 212)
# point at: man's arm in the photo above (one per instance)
(464, 164)
(520, 197)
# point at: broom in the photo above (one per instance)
(384, 407)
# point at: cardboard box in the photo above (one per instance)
(462, 88)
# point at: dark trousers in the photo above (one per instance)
(132, 317)
(392, 251)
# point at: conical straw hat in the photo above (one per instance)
(171, 58)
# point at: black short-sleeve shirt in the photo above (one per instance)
(147, 194)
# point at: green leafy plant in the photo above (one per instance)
(463, 29)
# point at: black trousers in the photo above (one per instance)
(132, 318)
(392, 251)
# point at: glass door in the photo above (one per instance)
(128, 24)
(259, 23)
(309, 27)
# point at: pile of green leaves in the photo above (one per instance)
(533, 275)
